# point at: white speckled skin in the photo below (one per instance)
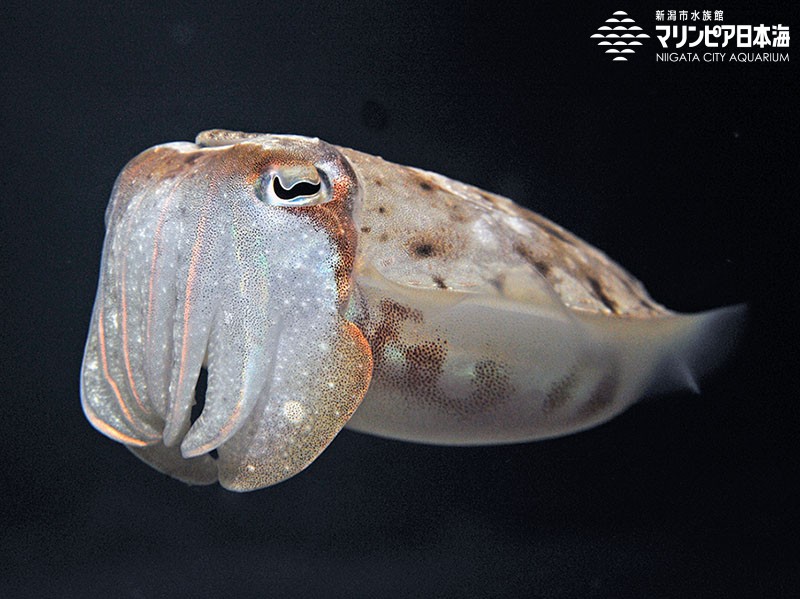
(455, 315)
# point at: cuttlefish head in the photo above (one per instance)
(234, 253)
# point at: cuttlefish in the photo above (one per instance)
(321, 286)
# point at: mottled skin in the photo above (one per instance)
(307, 277)
(478, 242)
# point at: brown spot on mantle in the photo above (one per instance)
(429, 245)
(602, 396)
(560, 393)
(527, 254)
(601, 294)
(439, 282)
(424, 182)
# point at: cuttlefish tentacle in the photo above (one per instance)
(307, 277)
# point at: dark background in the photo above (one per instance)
(684, 173)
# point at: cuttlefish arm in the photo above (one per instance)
(307, 277)
(237, 257)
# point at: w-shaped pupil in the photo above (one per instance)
(304, 188)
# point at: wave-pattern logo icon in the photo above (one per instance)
(619, 36)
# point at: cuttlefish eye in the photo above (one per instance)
(296, 185)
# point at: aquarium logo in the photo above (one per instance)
(695, 36)
(620, 36)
